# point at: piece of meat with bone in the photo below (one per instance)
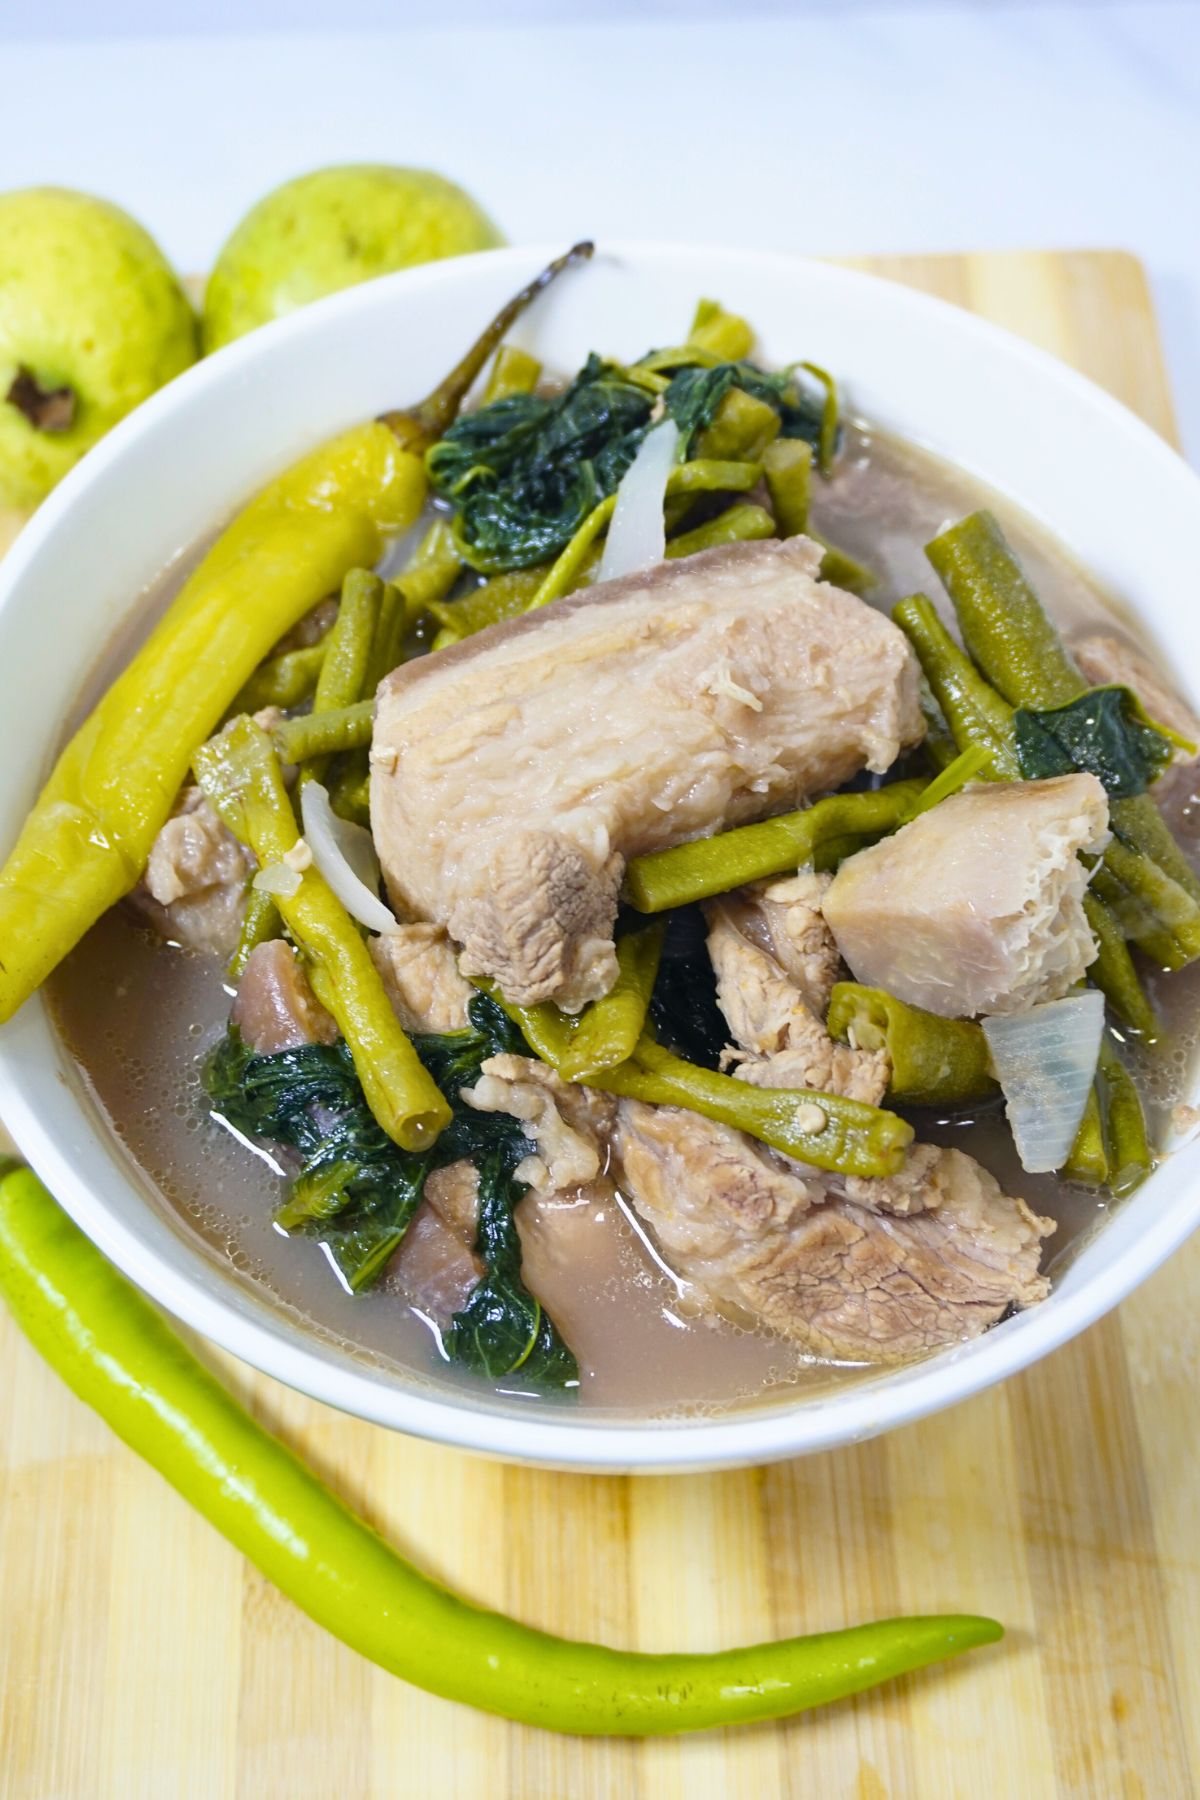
(276, 1008)
(863, 1271)
(514, 774)
(1106, 661)
(419, 970)
(977, 905)
(783, 1041)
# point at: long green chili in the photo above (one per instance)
(240, 774)
(707, 866)
(121, 1358)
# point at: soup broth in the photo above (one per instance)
(139, 1017)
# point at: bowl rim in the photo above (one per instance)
(600, 1441)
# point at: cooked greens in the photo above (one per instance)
(356, 1191)
(524, 472)
(1105, 733)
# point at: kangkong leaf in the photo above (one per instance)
(356, 1191)
(1105, 732)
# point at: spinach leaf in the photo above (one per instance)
(1104, 732)
(523, 474)
(356, 1191)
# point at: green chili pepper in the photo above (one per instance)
(788, 464)
(240, 775)
(88, 836)
(317, 735)
(607, 1032)
(122, 1359)
(933, 1061)
(707, 866)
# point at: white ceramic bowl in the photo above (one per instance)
(1041, 434)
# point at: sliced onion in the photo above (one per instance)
(1045, 1061)
(345, 855)
(637, 536)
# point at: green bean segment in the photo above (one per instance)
(240, 775)
(285, 680)
(1113, 971)
(975, 712)
(607, 1032)
(1130, 1158)
(1088, 1161)
(260, 923)
(725, 335)
(736, 525)
(317, 735)
(933, 1061)
(707, 866)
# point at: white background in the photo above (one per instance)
(804, 126)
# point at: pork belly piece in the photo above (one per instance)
(419, 970)
(513, 775)
(863, 1271)
(977, 905)
(276, 1008)
(782, 1041)
(1109, 660)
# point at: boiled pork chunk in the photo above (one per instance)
(513, 775)
(977, 905)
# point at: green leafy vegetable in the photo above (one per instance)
(1104, 732)
(356, 1191)
(523, 473)
(683, 1007)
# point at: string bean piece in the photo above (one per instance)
(843, 570)
(825, 1130)
(974, 711)
(431, 573)
(502, 597)
(827, 439)
(514, 371)
(1113, 971)
(607, 1032)
(969, 765)
(736, 525)
(260, 923)
(1130, 1158)
(933, 1061)
(347, 666)
(317, 735)
(1088, 1161)
(787, 465)
(707, 866)
(240, 774)
(285, 680)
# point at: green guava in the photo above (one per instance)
(331, 229)
(92, 320)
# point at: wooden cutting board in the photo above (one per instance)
(139, 1656)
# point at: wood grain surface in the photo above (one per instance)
(139, 1656)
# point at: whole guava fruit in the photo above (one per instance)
(92, 321)
(330, 230)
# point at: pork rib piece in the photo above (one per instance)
(778, 1017)
(867, 1271)
(513, 775)
(976, 906)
